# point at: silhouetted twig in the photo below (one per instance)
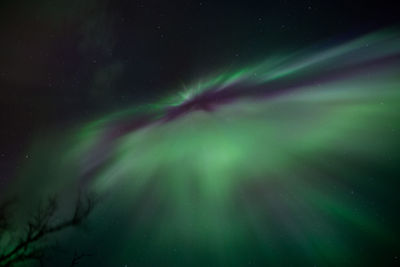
(78, 257)
(40, 226)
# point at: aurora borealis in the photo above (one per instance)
(277, 163)
(199, 133)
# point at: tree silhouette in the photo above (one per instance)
(40, 225)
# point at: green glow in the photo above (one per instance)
(255, 179)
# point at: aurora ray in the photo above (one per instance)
(275, 163)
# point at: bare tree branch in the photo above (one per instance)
(78, 257)
(40, 226)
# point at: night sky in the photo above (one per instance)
(66, 60)
(73, 75)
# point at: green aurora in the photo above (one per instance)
(293, 162)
